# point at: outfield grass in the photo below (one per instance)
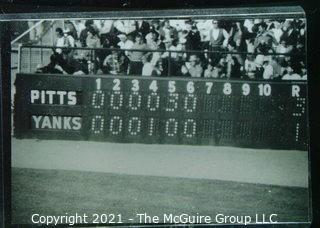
(55, 192)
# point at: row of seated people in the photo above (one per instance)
(168, 39)
(170, 63)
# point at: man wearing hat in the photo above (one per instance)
(193, 39)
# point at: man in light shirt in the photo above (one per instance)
(61, 40)
(124, 43)
(125, 26)
(135, 57)
(291, 75)
(219, 38)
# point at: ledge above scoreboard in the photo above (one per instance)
(254, 114)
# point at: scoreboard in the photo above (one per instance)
(136, 109)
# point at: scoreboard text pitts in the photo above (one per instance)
(193, 111)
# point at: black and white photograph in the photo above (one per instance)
(160, 117)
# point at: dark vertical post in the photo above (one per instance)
(29, 59)
(5, 124)
(169, 64)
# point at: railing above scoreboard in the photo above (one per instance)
(150, 78)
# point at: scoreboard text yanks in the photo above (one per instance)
(258, 114)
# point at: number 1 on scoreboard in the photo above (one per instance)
(98, 83)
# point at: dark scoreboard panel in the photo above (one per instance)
(255, 114)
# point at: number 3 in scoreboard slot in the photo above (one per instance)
(135, 85)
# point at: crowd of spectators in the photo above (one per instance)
(248, 49)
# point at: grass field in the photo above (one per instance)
(55, 192)
(54, 177)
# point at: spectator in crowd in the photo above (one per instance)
(61, 40)
(264, 40)
(218, 41)
(135, 57)
(59, 65)
(148, 67)
(79, 25)
(237, 35)
(298, 57)
(268, 69)
(250, 66)
(71, 42)
(291, 75)
(193, 39)
(277, 71)
(125, 43)
(218, 71)
(276, 29)
(92, 39)
(142, 27)
(259, 48)
(167, 31)
(84, 33)
(127, 27)
(105, 28)
(233, 67)
(204, 28)
(192, 68)
(114, 63)
(290, 34)
(152, 44)
(174, 56)
(303, 73)
(159, 69)
(209, 72)
(71, 30)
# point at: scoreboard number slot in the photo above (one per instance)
(264, 89)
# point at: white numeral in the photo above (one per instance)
(135, 85)
(209, 87)
(153, 86)
(245, 89)
(190, 87)
(171, 86)
(264, 90)
(227, 88)
(98, 82)
(116, 83)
